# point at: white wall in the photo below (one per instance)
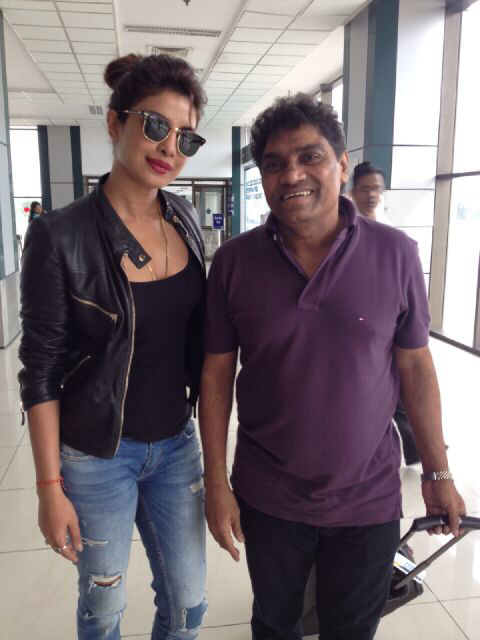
(96, 150)
(213, 160)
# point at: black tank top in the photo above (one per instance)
(156, 405)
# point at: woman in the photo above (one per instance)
(36, 210)
(112, 296)
(368, 187)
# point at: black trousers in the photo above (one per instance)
(354, 568)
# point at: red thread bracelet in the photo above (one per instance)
(47, 483)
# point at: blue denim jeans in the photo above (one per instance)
(159, 487)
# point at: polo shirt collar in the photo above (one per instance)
(345, 206)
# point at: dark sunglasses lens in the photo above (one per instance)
(189, 143)
(156, 128)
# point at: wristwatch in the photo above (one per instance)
(437, 475)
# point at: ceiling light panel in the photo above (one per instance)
(282, 60)
(285, 7)
(71, 90)
(31, 5)
(258, 81)
(85, 58)
(255, 35)
(215, 75)
(51, 66)
(59, 46)
(41, 33)
(100, 47)
(85, 7)
(82, 98)
(291, 49)
(45, 97)
(239, 58)
(55, 76)
(268, 79)
(235, 68)
(265, 20)
(303, 36)
(220, 84)
(92, 35)
(332, 7)
(46, 56)
(37, 18)
(270, 70)
(318, 22)
(246, 47)
(88, 20)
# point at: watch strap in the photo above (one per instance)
(445, 474)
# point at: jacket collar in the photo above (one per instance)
(124, 242)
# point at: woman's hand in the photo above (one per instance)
(58, 522)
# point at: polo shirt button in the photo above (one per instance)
(275, 237)
(142, 257)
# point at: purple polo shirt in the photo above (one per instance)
(318, 385)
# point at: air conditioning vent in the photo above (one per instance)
(95, 110)
(178, 52)
(172, 31)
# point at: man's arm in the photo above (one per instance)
(216, 393)
(421, 396)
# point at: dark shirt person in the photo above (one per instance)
(36, 210)
(324, 346)
(368, 187)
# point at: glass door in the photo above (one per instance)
(210, 203)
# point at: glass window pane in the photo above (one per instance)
(337, 99)
(462, 260)
(25, 162)
(467, 126)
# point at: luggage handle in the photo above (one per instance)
(422, 524)
(468, 523)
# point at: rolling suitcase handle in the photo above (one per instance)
(468, 523)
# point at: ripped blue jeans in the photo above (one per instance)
(159, 487)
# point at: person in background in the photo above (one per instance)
(112, 291)
(367, 191)
(36, 210)
(330, 315)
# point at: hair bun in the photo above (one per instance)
(116, 69)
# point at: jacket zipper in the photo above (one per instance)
(129, 359)
(75, 368)
(113, 316)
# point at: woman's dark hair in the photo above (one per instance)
(34, 204)
(133, 78)
(293, 112)
(365, 169)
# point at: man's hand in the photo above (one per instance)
(223, 518)
(442, 498)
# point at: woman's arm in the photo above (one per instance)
(44, 352)
(56, 515)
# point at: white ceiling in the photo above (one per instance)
(251, 51)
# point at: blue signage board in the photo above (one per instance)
(218, 220)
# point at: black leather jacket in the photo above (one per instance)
(78, 316)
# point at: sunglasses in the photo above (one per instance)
(156, 128)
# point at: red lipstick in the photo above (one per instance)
(159, 166)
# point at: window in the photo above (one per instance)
(460, 313)
(25, 173)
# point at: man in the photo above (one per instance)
(368, 187)
(330, 313)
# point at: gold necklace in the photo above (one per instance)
(166, 247)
